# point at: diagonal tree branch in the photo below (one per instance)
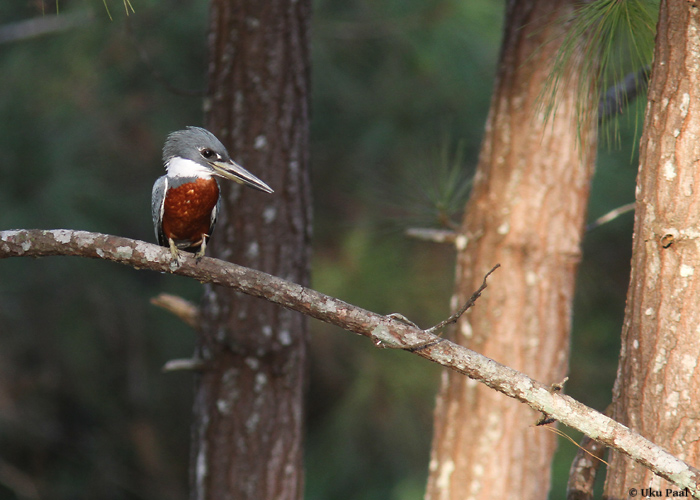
(43, 25)
(384, 331)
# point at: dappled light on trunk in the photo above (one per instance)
(526, 212)
(658, 383)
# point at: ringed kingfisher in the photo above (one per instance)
(186, 200)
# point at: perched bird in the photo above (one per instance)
(186, 200)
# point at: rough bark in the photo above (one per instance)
(248, 428)
(526, 212)
(658, 381)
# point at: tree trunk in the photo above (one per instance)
(658, 382)
(526, 212)
(248, 428)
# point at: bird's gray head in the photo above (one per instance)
(196, 144)
(205, 150)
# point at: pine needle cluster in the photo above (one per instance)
(612, 41)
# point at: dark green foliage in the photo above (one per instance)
(85, 411)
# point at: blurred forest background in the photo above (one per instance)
(401, 90)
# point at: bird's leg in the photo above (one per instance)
(174, 252)
(202, 249)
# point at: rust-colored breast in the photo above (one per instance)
(187, 211)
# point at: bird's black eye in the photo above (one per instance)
(207, 153)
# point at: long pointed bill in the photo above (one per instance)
(233, 171)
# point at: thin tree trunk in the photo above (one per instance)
(248, 429)
(658, 381)
(526, 212)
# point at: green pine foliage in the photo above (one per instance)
(609, 39)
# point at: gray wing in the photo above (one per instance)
(157, 204)
(214, 215)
